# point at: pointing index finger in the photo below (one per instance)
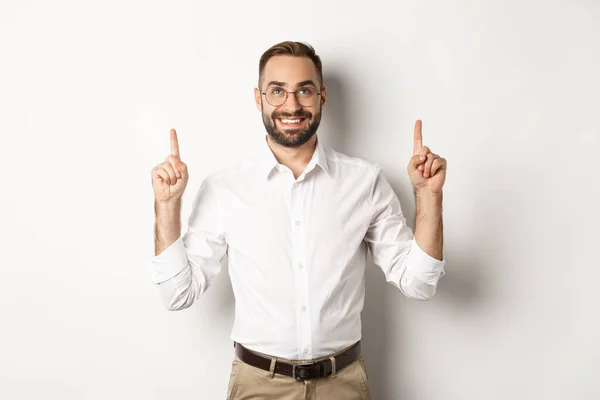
(418, 136)
(174, 143)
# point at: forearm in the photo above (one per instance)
(167, 226)
(429, 226)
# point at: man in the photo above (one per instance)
(296, 222)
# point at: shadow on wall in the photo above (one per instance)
(459, 287)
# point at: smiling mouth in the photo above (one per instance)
(291, 121)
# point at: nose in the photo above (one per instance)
(291, 103)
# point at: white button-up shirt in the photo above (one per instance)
(297, 251)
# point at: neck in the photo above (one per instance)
(295, 158)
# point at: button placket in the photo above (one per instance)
(300, 273)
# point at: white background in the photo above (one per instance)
(509, 93)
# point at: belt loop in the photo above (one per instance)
(271, 373)
(333, 371)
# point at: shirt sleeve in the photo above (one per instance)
(394, 248)
(185, 269)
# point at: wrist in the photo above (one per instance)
(424, 193)
(169, 205)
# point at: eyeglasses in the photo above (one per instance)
(306, 96)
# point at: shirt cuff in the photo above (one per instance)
(424, 267)
(170, 262)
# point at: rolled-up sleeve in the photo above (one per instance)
(394, 248)
(185, 270)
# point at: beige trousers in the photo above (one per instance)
(247, 382)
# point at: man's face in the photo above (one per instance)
(290, 124)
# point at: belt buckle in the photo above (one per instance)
(295, 366)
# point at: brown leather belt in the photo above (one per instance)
(319, 369)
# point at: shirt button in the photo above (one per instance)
(305, 351)
(300, 266)
(303, 308)
(297, 223)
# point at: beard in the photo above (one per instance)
(291, 137)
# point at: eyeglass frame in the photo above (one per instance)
(319, 93)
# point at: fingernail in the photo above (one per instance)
(422, 157)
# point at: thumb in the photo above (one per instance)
(415, 161)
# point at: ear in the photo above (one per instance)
(257, 99)
(323, 96)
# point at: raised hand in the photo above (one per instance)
(426, 170)
(170, 178)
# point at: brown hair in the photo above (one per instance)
(295, 49)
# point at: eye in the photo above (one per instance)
(305, 91)
(276, 90)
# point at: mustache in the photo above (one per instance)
(290, 115)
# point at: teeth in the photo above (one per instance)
(290, 121)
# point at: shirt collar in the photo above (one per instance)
(319, 158)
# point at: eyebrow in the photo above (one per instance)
(283, 84)
(276, 83)
(306, 83)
